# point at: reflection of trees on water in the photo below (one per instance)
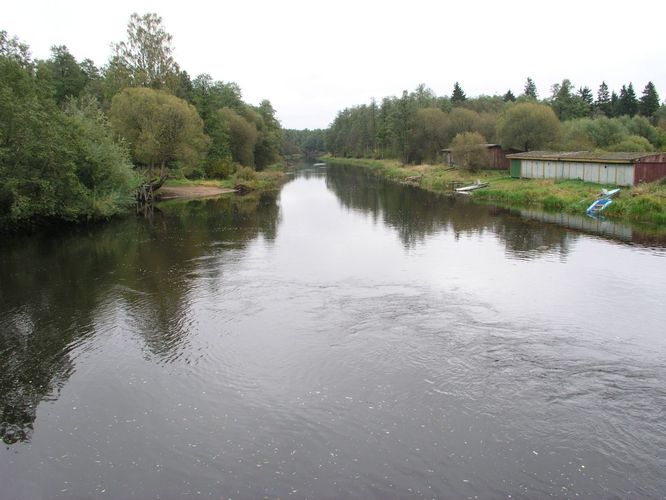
(416, 214)
(54, 287)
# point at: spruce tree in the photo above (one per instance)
(628, 102)
(614, 105)
(649, 102)
(603, 102)
(530, 89)
(509, 96)
(458, 95)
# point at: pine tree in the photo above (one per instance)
(458, 95)
(530, 89)
(603, 102)
(649, 102)
(509, 96)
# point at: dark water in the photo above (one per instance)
(343, 338)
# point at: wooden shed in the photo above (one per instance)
(619, 169)
(497, 157)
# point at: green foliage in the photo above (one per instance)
(528, 126)
(147, 55)
(67, 77)
(15, 50)
(246, 174)
(603, 103)
(509, 96)
(457, 96)
(242, 135)
(627, 103)
(649, 102)
(269, 139)
(429, 134)
(219, 169)
(469, 151)
(568, 105)
(55, 164)
(160, 128)
(530, 90)
(633, 143)
(309, 143)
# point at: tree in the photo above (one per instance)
(14, 49)
(428, 135)
(603, 102)
(568, 105)
(528, 126)
(457, 96)
(67, 77)
(242, 134)
(469, 151)
(55, 164)
(530, 89)
(585, 93)
(462, 120)
(509, 96)
(614, 104)
(159, 127)
(628, 104)
(649, 102)
(147, 54)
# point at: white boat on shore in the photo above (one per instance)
(472, 187)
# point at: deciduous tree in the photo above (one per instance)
(528, 126)
(469, 151)
(159, 127)
(147, 53)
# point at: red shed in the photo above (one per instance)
(650, 168)
(497, 159)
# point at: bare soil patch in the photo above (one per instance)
(171, 192)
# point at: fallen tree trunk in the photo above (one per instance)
(146, 191)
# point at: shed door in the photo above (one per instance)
(515, 168)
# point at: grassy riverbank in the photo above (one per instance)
(266, 180)
(644, 204)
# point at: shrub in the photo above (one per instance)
(246, 174)
(469, 151)
(219, 169)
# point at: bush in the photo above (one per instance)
(219, 169)
(246, 174)
(469, 151)
(632, 143)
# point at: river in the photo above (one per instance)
(343, 338)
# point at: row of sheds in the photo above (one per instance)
(619, 169)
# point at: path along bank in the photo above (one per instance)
(645, 203)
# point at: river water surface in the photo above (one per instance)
(343, 338)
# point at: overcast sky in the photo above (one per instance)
(313, 58)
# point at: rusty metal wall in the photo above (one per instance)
(650, 169)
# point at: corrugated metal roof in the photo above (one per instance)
(590, 156)
(448, 150)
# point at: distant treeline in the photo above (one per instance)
(416, 126)
(76, 140)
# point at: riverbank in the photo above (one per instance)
(244, 180)
(643, 204)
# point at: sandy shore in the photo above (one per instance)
(171, 192)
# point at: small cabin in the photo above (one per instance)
(497, 157)
(618, 169)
